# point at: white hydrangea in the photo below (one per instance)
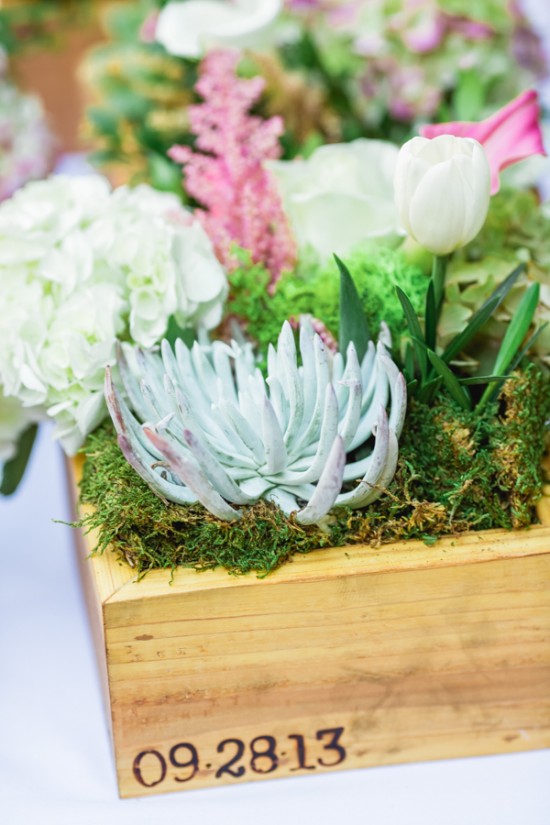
(81, 266)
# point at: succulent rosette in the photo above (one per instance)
(208, 427)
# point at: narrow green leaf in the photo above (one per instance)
(504, 288)
(483, 314)
(524, 350)
(513, 339)
(429, 389)
(517, 329)
(415, 332)
(431, 317)
(479, 379)
(408, 368)
(15, 467)
(450, 381)
(353, 322)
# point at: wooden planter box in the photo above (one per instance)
(344, 658)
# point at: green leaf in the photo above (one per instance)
(408, 368)
(428, 390)
(174, 331)
(525, 349)
(504, 288)
(517, 329)
(353, 322)
(515, 334)
(431, 317)
(415, 331)
(450, 381)
(480, 379)
(483, 314)
(496, 389)
(15, 467)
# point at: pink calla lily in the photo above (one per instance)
(510, 135)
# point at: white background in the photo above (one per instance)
(56, 766)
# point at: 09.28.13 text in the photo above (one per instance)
(263, 755)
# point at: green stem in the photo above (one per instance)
(439, 269)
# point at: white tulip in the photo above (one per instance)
(442, 191)
(341, 196)
(188, 29)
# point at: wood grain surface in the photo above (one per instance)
(344, 658)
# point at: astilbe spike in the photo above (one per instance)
(226, 174)
(204, 425)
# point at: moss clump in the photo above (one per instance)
(149, 534)
(315, 290)
(457, 471)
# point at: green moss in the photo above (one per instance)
(457, 471)
(315, 290)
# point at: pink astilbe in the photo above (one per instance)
(227, 176)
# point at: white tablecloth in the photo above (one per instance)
(56, 766)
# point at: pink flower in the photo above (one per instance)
(508, 136)
(225, 172)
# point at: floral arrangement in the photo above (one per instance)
(345, 347)
(333, 70)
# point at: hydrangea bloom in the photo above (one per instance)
(81, 266)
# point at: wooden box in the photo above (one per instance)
(343, 658)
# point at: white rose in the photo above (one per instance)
(442, 191)
(188, 29)
(342, 195)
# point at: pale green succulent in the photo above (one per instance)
(206, 426)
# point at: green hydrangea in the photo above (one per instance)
(516, 231)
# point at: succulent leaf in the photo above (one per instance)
(202, 424)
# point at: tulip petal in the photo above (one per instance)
(438, 209)
(508, 136)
